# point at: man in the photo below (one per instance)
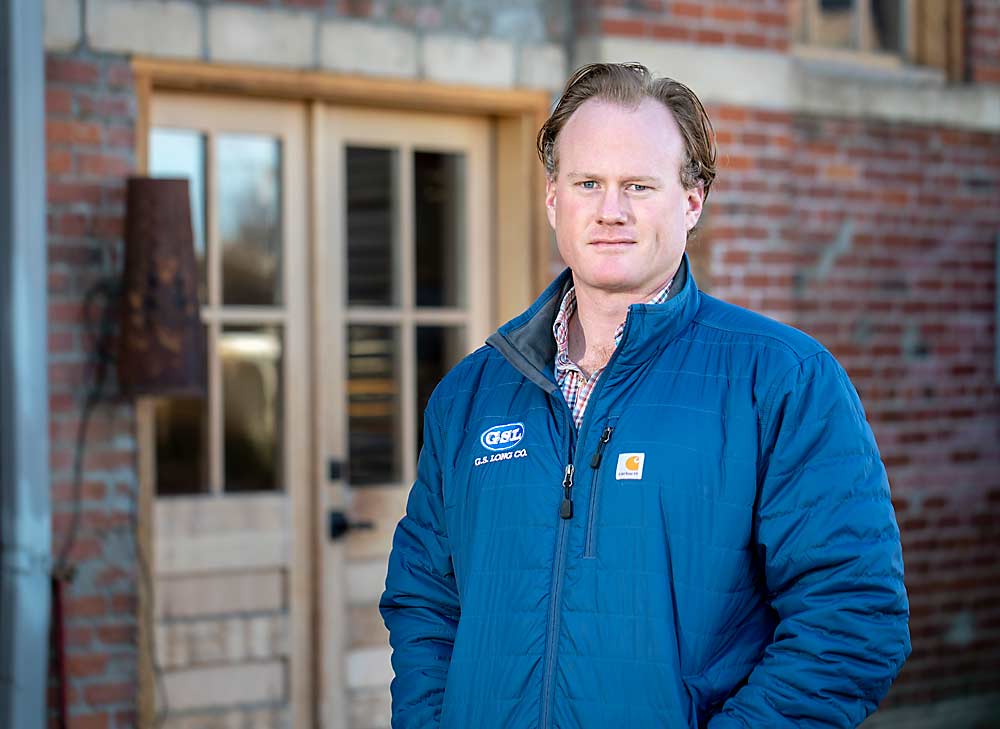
(639, 506)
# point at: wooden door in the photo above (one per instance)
(404, 266)
(232, 542)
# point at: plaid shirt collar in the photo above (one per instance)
(576, 387)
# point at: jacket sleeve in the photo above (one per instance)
(829, 548)
(420, 604)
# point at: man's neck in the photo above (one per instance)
(593, 326)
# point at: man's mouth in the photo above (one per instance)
(612, 242)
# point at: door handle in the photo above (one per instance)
(337, 525)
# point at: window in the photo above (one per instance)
(881, 32)
(233, 441)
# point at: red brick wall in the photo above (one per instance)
(90, 112)
(983, 51)
(878, 238)
(759, 24)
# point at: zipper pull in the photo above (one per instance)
(566, 508)
(595, 460)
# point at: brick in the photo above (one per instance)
(118, 634)
(454, 59)
(753, 40)
(616, 26)
(121, 137)
(90, 721)
(58, 101)
(70, 70)
(119, 76)
(74, 192)
(61, 342)
(103, 165)
(261, 37)
(728, 13)
(72, 132)
(103, 694)
(86, 664)
(359, 47)
(61, 19)
(668, 31)
(168, 28)
(710, 36)
(58, 162)
(63, 491)
(105, 106)
(687, 10)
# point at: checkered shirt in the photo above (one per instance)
(576, 386)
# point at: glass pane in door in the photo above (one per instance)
(180, 153)
(371, 227)
(181, 446)
(249, 210)
(439, 195)
(373, 408)
(439, 348)
(252, 395)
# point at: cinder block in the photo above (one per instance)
(148, 27)
(457, 60)
(62, 24)
(543, 67)
(369, 668)
(261, 37)
(357, 47)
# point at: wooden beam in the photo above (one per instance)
(354, 90)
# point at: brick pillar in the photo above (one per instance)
(90, 118)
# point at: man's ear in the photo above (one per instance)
(695, 200)
(550, 199)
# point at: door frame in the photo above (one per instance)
(521, 246)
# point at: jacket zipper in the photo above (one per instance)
(552, 629)
(595, 465)
(566, 507)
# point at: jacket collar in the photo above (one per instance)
(527, 343)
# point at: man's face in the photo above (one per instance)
(616, 203)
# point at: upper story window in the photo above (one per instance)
(871, 26)
(881, 33)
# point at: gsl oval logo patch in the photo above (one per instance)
(502, 437)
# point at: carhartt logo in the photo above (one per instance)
(502, 437)
(630, 466)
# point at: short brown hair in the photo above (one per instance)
(627, 84)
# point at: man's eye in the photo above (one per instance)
(588, 185)
(636, 187)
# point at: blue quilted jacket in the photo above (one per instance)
(714, 547)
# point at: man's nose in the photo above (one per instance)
(614, 208)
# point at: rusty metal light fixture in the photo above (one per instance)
(161, 343)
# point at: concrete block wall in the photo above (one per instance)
(502, 45)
